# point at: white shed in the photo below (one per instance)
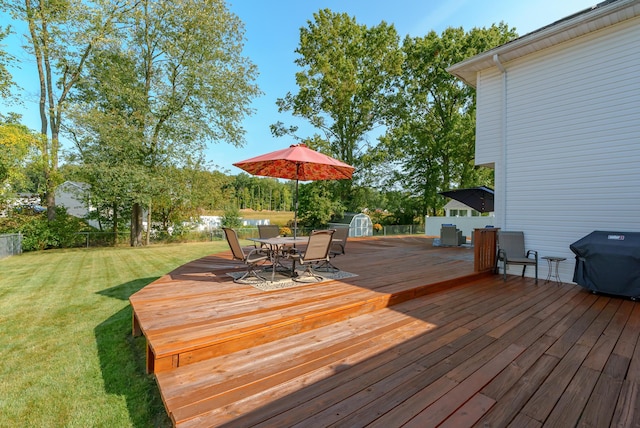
(558, 118)
(360, 224)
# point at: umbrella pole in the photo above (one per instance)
(295, 214)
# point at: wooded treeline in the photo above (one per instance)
(141, 87)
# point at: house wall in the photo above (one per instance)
(572, 156)
(70, 196)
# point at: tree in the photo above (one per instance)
(6, 80)
(16, 144)
(62, 36)
(174, 81)
(348, 72)
(317, 205)
(431, 134)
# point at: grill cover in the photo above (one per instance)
(608, 262)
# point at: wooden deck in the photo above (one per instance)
(416, 339)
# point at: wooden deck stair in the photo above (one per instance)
(198, 321)
(201, 394)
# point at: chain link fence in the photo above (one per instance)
(10, 244)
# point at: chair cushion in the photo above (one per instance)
(521, 260)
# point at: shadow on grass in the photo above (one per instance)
(122, 361)
(124, 291)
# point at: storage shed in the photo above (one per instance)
(359, 224)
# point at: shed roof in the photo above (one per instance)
(600, 16)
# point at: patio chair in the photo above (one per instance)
(450, 235)
(511, 251)
(268, 230)
(252, 259)
(338, 246)
(316, 253)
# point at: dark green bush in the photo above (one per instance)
(40, 234)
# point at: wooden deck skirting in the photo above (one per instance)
(477, 352)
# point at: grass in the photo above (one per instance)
(68, 357)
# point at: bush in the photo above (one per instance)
(40, 234)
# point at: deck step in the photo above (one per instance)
(200, 340)
(200, 393)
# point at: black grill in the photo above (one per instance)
(608, 263)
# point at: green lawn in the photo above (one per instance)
(67, 355)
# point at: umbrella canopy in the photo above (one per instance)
(300, 163)
(478, 198)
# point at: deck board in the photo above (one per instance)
(416, 339)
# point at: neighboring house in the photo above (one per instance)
(462, 216)
(558, 118)
(455, 208)
(74, 196)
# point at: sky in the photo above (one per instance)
(272, 30)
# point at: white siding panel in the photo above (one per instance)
(489, 117)
(573, 130)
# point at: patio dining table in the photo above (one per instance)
(275, 247)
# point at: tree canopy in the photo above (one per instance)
(172, 82)
(141, 87)
(430, 138)
(347, 73)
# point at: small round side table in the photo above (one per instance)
(553, 274)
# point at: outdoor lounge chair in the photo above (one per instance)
(317, 253)
(252, 259)
(511, 251)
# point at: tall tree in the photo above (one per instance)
(431, 134)
(175, 81)
(348, 71)
(16, 143)
(62, 36)
(6, 80)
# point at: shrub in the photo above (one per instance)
(285, 231)
(40, 234)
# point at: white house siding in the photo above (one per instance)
(489, 117)
(573, 140)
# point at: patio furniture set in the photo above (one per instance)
(271, 251)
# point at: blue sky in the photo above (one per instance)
(272, 35)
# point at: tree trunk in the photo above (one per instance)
(51, 198)
(136, 225)
(147, 237)
(115, 224)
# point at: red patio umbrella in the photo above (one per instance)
(300, 163)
